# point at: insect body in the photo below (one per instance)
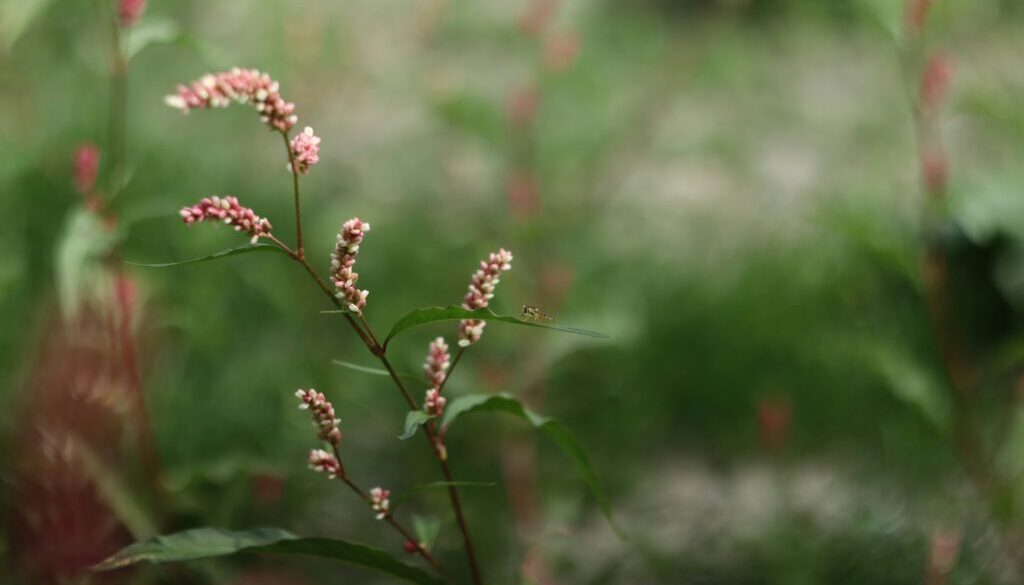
(533, 313)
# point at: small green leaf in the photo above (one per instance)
(363, 369)
(149, 32)
(16, 16)
(426, 528)
(456, 313)
(551, 427)
(413, 421)
(215, 255)
(213, 542)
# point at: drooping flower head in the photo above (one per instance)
(322, 411)
(227, 210)
(343, 258)
(87, 166)
(130, 11)
(324, 462)
(379, 500)
(305, 150)
(481, 291)
(244, 86)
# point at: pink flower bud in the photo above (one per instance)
(322, 412)
(433, 402)
(131, 11)
(438, 360)
(87, 166)
(343, 259)
(481, 291)
(243, 86)
(305, 150)
(227, 210)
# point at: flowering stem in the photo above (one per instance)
(451, 369)
(300, 252)
(388, 517)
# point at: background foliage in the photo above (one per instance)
(728, 189)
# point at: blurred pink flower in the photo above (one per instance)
(227, 210)
(343, 259)
(560, 50)
(915, 14)
(244, 86)
(433, 402)
(935, 81)
(481, 291)
(306, 150)
(131, 11)
(379, 501)
(773, 417)
(324, 462)
(87, 166)
(323, 414)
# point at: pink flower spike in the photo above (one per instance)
(379, 501)
(343, 258)
(131, 11)
(438, 360)
(323, 415)
(323, 462)
(481, 291)
(433, 402)
(227, 210)
(305, 150)
(87, 166)
(243, 86)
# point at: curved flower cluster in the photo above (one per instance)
(226, 209)
(305, 151)
(324, 462)
(481, 291)
(245, 86)
(323, 414)
(379, 501)
(343, 258)
(87, 166)
(130, 11)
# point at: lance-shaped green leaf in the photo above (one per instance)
(413, 421)
(216, 255)
(203, 543)
(456, 313)
(552, 428)
(151, 31)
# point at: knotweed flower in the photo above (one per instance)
(379, 500)
(226, 209)
(324, 462)
(438, 360)
(433, 402)
(343, 259)
(244, 86)
(87, 166)
(131, 11)
(935, 81)
(305, 150)
(323, 415)
(481, 291)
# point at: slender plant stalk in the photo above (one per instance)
(299, 250)
(378, 350)
(343, 476)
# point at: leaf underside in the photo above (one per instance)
(202, 543)
(413, 421)
(552, 428)
(455, 313)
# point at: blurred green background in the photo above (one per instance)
(729, 189)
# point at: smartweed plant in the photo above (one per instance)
(341, 285)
